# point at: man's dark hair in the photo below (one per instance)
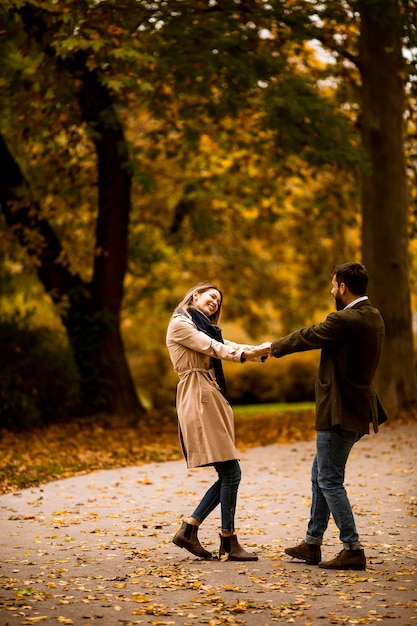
(354, 275)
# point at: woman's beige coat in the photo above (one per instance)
(206, 423)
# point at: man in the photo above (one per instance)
(351, 342)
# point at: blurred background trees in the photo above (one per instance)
(145, 147)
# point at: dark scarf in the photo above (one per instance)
(204, 324)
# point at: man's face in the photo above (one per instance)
(337, 295)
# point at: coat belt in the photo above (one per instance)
(209, 372)
(195, 369)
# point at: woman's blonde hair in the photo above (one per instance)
(201, 287)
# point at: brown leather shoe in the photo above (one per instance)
(187, 538)
(230, 545)
(308, 552)
(346, 559)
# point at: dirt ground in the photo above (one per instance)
(96, 549)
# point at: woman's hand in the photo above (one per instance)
(258, 352)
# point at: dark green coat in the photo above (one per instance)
(351, 342)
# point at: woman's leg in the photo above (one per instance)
(230, 548)
(230, 475)
(224, 491)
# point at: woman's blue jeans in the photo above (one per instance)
(224, 491)
(328, 491)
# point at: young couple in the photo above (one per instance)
(350, 340)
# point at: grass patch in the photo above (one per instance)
(265, 409)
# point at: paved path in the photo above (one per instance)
(96, 549)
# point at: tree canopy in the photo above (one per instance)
(148, 145)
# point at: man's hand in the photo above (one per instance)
(275, 349)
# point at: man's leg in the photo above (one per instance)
(333, 449)
(329, 496)
(319, 512)
(309, 550)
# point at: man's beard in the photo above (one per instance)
(339, 303)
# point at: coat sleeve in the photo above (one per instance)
(326, 334)
(183, 332)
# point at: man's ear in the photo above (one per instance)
(342, 288)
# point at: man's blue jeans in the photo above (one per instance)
(328, 491)
(224, 491)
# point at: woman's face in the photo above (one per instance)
(207, 302)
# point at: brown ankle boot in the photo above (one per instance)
(187, 538)
(310, 553)
(230, 545)
(346, 559)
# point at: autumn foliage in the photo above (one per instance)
(61, 450)
(148, 146)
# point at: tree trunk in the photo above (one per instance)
(112, 230)
(93, 329)
(384, 196)
(107, 385)
(90, 311)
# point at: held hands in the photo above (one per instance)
(258, 352)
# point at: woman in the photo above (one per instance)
(205, 417)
